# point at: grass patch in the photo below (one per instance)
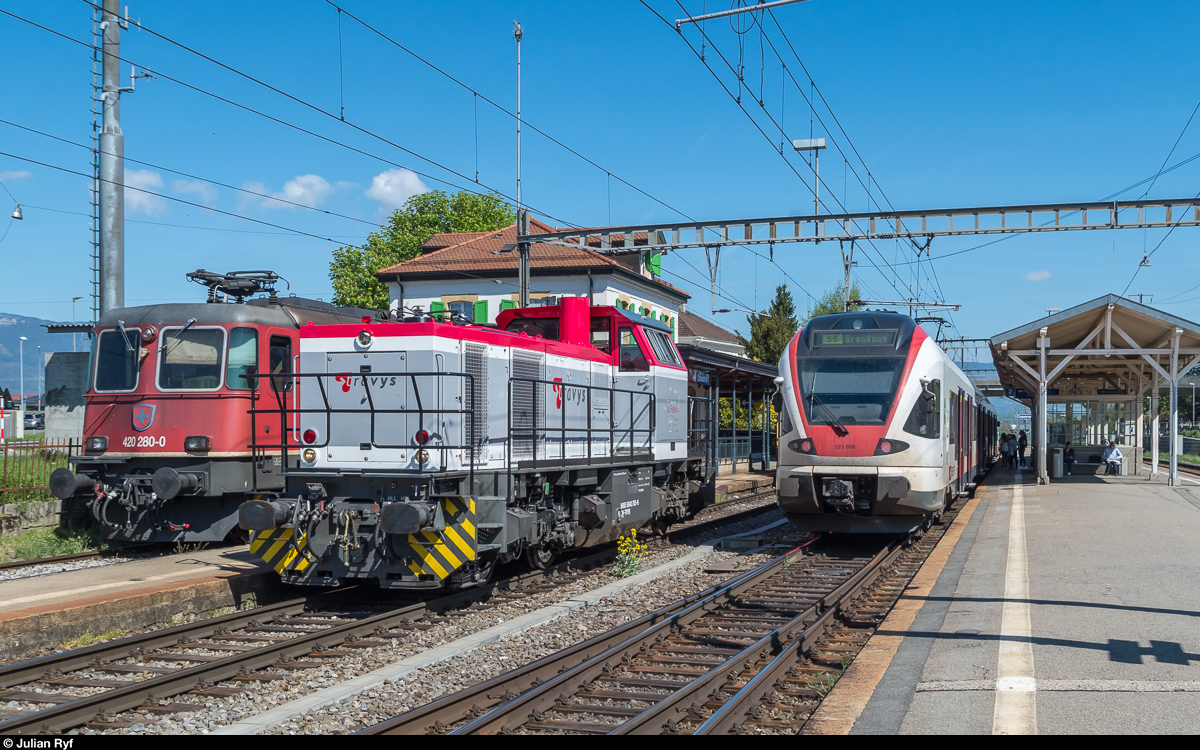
(49, 541)
(90, 639)
(1190, 458)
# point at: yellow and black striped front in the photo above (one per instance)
(281, 548)
(440, 553)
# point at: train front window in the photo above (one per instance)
(243, 359)
(116, 360)
(190, 359)
(857, 391)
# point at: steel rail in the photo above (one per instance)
(760, 686)
(544, 694)
(468, 703)
(67, 715)
(663, 716)
(11, 564)
(71, 714)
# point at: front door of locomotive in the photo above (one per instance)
(366, 395)
(633, 397)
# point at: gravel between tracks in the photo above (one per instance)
(45, 569)
(459, 671)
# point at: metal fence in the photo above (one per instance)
(733, 447)
(25, 467)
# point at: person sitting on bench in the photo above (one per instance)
(1112, 459)
(1068, 458)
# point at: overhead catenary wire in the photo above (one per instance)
(182, 226)
(285, 123)
(758, 127)
(265, 196)
(169, 197)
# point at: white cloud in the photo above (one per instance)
(203, 190)
(14, 176)
(137, 201)
(393, 187)
(306, 189)
(1036, 276)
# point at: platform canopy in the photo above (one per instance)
(1110, 349)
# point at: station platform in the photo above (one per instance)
(1067, 608)
(42, 611)
(744, 484)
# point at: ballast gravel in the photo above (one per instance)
(460, 671)
(45, 569)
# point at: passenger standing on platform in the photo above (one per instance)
(1112, 459)
(1068, 458)
(1013, 447)
(1004, 449)
(1022, 444)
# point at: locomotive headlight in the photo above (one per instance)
(197, 444)
(148, 334)
(804, 445)
(363, 339)
(422, 456)
(97, 444)
(309, 455)
(888, 446)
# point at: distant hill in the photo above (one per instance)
(12, 328)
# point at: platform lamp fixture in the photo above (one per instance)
(74, 336)
(21, 349)
(815, 145)
(16, 214)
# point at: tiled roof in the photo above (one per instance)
(691, 325)
(491, 252)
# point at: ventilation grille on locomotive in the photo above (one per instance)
(524, 416)
(475, 360)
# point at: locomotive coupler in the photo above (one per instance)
(839, 494)
(261, 515)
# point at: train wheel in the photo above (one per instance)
(541, 557)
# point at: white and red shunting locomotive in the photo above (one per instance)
(880, 428)
(430, 451)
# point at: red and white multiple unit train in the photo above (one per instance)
(880, 428)
(167, 427)
(429, 452)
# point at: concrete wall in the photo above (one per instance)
(66, 380)
(15, 518)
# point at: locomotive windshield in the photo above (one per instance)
(117, 361)
(190, 359)
(845, 391)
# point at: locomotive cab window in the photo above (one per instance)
(190, 359)
(633, 359)
(116, 358)
(925, 419)
(602, 334)
(547, 328)
(242, 359)
(281, 362)
(663, 348)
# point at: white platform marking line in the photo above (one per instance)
(1016, 688)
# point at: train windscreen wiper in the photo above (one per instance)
(838, 427)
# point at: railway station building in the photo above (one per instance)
(1087, 372)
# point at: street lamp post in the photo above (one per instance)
(815, 145)
(21, 350)
(74, 336)
(41, 369)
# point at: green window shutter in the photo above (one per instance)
(507, 304)
(481, 311)
(654, 263)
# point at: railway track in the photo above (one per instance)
(87, 686)
(755, 654)
(17, 564)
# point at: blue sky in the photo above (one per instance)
(948, 104)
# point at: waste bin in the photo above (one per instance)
(1056, 462)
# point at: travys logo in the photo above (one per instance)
(143, 416)
(348, 381)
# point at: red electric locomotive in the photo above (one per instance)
(167, 429)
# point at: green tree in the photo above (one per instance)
(771, 331)
(834, 301)
(353, 268)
